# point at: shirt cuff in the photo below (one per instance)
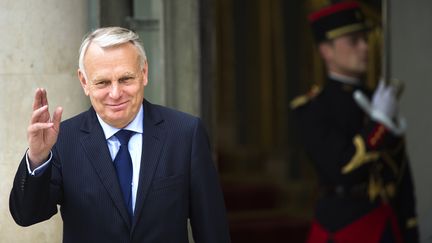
(40, 168)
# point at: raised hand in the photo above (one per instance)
(43, 130)
(385, 100)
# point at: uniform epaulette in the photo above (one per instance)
(304, 99)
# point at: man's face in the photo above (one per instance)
(115, 82)
(347, 55)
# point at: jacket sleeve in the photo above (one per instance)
(334, 149)
(34, 198)
(373, 139)
(207, 209)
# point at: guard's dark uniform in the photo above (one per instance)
(365, 185)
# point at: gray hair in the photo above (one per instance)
(110, 37)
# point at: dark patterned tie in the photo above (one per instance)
(123, 165)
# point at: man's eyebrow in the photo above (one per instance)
(98, 79)
(128, 74)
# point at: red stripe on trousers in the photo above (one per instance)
(368, 228)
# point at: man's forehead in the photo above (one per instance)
(103, 75)
(119, 55)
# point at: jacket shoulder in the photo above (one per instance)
(306, 98)
(169, 114)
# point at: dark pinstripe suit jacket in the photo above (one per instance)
(177, 181)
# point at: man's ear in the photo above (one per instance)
(144, 71)
(325, 49)
(84, 82)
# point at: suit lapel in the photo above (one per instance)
(96, 149)
(153, 141)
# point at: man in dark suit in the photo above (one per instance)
(125, 170)
(355, 141)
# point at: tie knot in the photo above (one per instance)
(123, 136)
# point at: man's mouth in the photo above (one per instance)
(118, 106)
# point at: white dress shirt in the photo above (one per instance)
(135, 146)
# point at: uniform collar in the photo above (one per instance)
(345, 79)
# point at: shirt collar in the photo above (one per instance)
(344, 79)
(135, 125)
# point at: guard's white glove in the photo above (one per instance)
(384, 100)
(383, 108)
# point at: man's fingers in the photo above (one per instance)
(37, 99)
(40, 98)
(44, 97)
(57, 117)
(38, 114)
(381, 85)
(36, 127)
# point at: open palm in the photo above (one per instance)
(43, 130)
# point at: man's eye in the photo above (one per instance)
(102, 83)
(125, 79)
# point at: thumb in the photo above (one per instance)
(381, 85)
(57, 117)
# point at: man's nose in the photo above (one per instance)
(115, 91)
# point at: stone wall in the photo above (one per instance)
(38, 48)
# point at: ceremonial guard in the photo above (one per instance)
(355, 140)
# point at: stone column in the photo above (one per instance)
(171, 35)
(182, 54)
(38, 48)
